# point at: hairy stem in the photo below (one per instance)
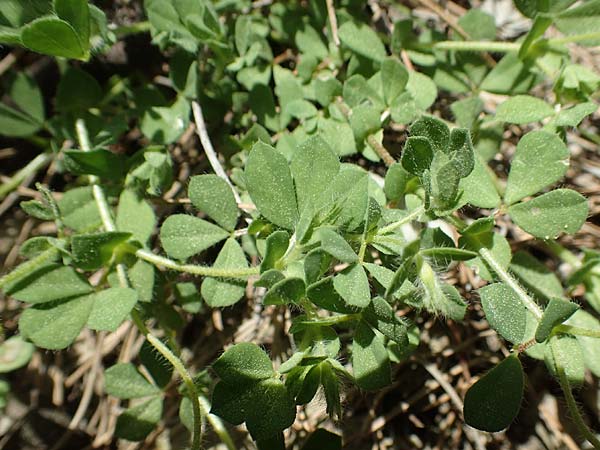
(37, 163)
(109, 225)
(572, 404)
(380, 150)
(501, 272)
(195, 269)
(577, 331)
(478, 46)
(29, 266)
(395, 225)
(216, 423)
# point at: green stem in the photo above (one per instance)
(195, 269)
(216, 423)
(575, 38)
(500, 271)
(572, 404)
(576, 331)
(29, 266)
(395, 225)
(478, 46)
(40, 161)
(109, 225)
(135, 28)
(509, 280)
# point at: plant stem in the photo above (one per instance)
(135, 28)
(41, 160)
(395, 225)
(507, 278)
(195, 269)
(577, 331)
(575, 38)
(380, 150)
(572, 404)
(500, 271)
(216, 423)
(209, 149)
(29, 266)
(109, 225)
(478, 46)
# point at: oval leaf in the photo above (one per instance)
(493, 402)
(270, 185)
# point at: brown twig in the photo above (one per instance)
(333, 22)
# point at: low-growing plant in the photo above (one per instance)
(294, 214)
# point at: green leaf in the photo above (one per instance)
(288, 290)
(165, 124)
(394, 77)
(77, 14)
(92, 251)
(100, 162)
(323, 294)
(111, 308)
(541, 159)
(183, 236)
(466, 111)
(221, 293)
(381, 316)
(243, 363)
(362, 39)
(572, 117)
(17, 124)
(522, 109)
(276, 246)
(396, 179)
(160, 369)
(142, 278)
(52, 282)
(18, 12)
(269, 409)
(55, 325)
(77, 91)
(136, 216)
(53, 36)
(336, 246)
(564, 352)
(550, 214)
(493, 402)
(496, 244)
(582, 19)
(479, 188)
(313, 167)
(270, 185)
(14, 354)
(510, 76)
(422, 89)
(535, 276)
(370, 361)
(353, 286)
(417, 155)
(37, 209)
(79, 209)
(212, 195)
(504, 311)
(589, 345)
(123, 380)
(26, 94)
(478, 25)
(556, 312)
(435, 130)
(135, 423)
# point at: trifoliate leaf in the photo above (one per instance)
(111, 308)
(220, 293)
(353, 286)
(370, 362)
(556, 312)
(504, 311)
(242, 363)
(522, 109)
(183, 236)
(123, 380)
